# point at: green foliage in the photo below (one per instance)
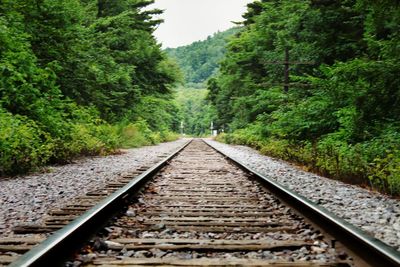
(135, 134)
(374, 162)
(385, 173)
(160, 113)
(72, 73)
(139, 134)
(23, 145)
(343, 119)
(199, 63)
(196, 113)
(199, 60)
(384, 169)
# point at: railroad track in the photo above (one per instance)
(199, 208)
(26, 236)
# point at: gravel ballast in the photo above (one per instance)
(26, 199)
(373, 212)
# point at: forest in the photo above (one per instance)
(198, 62)
(338, 111)
(81, 77)
(312, 82)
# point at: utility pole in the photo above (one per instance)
(287, 66)
(287, 63)
(182, 127)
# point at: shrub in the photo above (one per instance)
(85, 139)
(26, 145)
(108, 136)
(168, 136)
(376, 161)
(385, 172)
(384, 168)
(23, 145)
(134, 135)
(221, 138)
(139, 134)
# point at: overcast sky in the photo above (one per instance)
(187, 21)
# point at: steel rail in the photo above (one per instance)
(369, 249)
(61, 244)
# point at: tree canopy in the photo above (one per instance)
(200, 60)
(70, 70)
(341, 113)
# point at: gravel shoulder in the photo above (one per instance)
(25, 199)
(375, 213)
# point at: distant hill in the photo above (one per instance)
(199, 60)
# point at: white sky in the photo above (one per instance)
(186, 21)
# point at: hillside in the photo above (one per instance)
(200, 60)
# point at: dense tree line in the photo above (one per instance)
(340, 115)
(196, 112)
(200, 60)
(80, 76)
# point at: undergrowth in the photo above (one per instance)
(375, 163)
(26, 145)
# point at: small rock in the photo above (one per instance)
(306, 258)
(167, 231)
(99, 244)
(113, 245)
(267, 255)
(159, 226)
(252, 255)
(142, 254)
(88, 257)
(303, 249)
(129, 253)
(324, 245)
(158, 253)
(257, 236)
(342, 255)
(317, 250)
(396, 226)
(130, 213)
(134, 233)
(148, 235)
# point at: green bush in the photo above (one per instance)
(276, 148)
(384, 169)
(163, 136)
(139, 134)
(168, 136)
(23, 145)
(375, 162)
(108, 135)
(26, 145)
(221, 138)
(134, 135)
(79, 131)
(249, 136)
(385, 172)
